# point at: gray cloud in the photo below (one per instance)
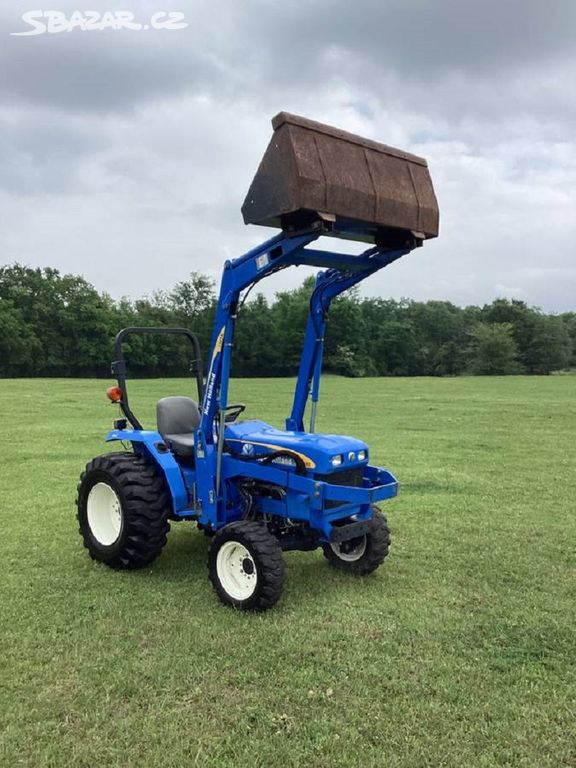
(425, 39)
(125, 156)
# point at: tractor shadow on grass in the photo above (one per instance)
(310, 577)
(185, 555)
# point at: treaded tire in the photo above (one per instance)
(377, 544)
(144, 507)
(266, 557)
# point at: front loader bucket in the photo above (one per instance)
(313, 175)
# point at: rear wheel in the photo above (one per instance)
(363, 554)
(123, 508)
(246, 567)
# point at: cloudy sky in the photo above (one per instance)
(125, 155)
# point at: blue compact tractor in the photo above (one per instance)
(254, 489)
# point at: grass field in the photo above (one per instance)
(459, 651)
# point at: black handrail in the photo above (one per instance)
(119, 364)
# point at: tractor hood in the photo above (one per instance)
(252, 438)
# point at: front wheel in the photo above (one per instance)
(246, 567)
(363, 554)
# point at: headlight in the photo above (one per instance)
(336, 461)
(362, 455)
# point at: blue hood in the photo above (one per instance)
(257, 437)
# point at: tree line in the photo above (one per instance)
(60, 325)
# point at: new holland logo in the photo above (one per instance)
(248, 449)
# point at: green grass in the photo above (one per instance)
(459, 651)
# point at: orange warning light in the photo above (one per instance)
(114, 394)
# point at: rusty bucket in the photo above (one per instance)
(313, 175)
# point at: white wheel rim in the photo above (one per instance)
(104, 514)
(236, 570)
(354, 554)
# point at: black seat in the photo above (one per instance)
(177, 418)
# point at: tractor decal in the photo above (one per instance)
(212, 373)
(248, 450)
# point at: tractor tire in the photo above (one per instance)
(123, 508)
(246, 567)
(363, 554)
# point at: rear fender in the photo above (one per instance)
(151, 445)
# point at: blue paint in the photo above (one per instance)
(319, 479)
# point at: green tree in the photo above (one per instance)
(256, 350)
(396, 349)
(289, 315)
(436, 324)
(69, 318)
(569, 321)
(550, 347)
(18, 343)
(521, 318)
(60, 325)
(345, 348)
(493, 350)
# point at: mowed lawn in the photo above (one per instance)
(459, 651)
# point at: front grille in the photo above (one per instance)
(350, 477)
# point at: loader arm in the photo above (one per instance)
(329, 284)
(344, 271)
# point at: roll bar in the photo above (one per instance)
(119, 364)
